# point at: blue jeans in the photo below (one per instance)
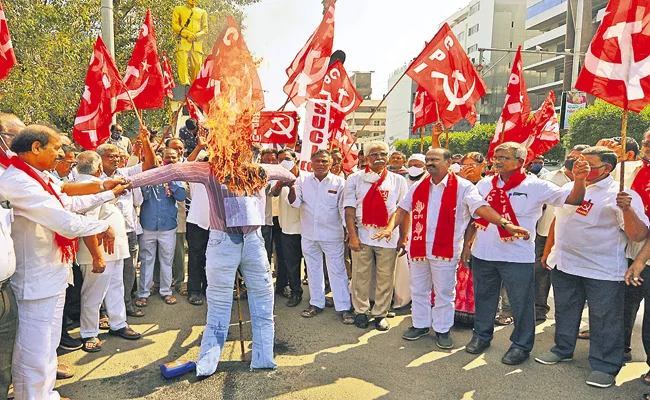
(225, 253)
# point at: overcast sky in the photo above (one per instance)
(377, 35)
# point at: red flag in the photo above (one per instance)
(7, 55)
(344, 141)
(311, 64)
(229, 71)
(617, 64)
(168, 77)
(103, 84)
(444, 71)
(471, 115)
(544, 129)
(425, 111)
(144, 77)
(277, 127)
(195, 112)
(338, 88)
(516, 109)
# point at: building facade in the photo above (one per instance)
(375, 127)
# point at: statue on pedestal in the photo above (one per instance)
(190, 24)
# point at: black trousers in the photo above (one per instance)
(267, 235)
(633, 297)
(72, 307)
(197, 244)
(281, 275)
(292, 252)
(8, 327)
(542, 279)
(605, 299)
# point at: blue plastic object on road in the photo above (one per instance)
(177, 368)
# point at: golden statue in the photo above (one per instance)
(190, 24)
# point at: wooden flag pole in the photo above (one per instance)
(446, 138)
(623, 148)
(502, 135)
(422, 140)
(172, 122)
(135, 109)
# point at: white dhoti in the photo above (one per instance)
(107, 287)
(313, 253)
(163, 243)
(441, 276)
(34, 360)
(402, 291)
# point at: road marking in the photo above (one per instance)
(469, 395)
(630, 372)
(477, 362)
(517, 371)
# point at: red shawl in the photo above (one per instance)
(68, 247)
(641, 185)
(498, 199)
(443, 242)
(374, 212)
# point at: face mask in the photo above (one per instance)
(415, 171)
(568, 164)
(536, 168)
(455, 168)
(288, 164)
(371, 177)
(594, 174)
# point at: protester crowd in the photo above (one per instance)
(88, 237)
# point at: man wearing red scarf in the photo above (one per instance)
(371, 196)
(441, 206)
(44, 234)
(497, 257)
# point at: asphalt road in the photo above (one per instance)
(321, 358)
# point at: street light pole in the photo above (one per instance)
(577, 40)
(107, 25)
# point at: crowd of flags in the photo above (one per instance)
(616, 69)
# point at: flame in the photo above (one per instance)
(229, 147)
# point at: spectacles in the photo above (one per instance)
(112, 156)
(72, 164)
(383, 154)
(645, 143)
(502, 158)
(473, 165)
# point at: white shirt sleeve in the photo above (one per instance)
(637, 206)
(298, 189)
(82, 204)
(407, 202)
(474, 200)
(551, 194)
(350, 198)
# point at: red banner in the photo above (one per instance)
(276, 127)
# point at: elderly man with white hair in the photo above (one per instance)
(371, 196)
(102, 270)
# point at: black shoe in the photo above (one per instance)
(69, 343)
(294, 301)
(515, 356)
(361, 321)
(477, 346)
(382, 324)
(413, 333)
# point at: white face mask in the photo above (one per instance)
(288, 164)
(455, 168)
(415, 171)
(371, 177)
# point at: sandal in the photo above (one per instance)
(645, 379)
(135, 313)
(141, 302)
(347, 317)
(126, 333)
(311, 311)
(503, 320)
(182, 289)
(91, 345)
(584, 334)
(329, 302)
(104, 324)
(195, 300)
(169, 299)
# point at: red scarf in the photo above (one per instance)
(498, 199)
(443, 242)
(374, 212)
(68, 247)
(641, 186)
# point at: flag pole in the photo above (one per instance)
(623, 148)
(421, 140)
(135, 109)
(502, 135)
(172, 122)
(446, 138)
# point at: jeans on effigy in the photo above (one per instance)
(225, 253)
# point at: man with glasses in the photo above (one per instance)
(590, 266)
(64, 167)
(498, 256)
(371, 196)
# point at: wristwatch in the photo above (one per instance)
(504, 223)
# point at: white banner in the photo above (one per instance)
(317, 131)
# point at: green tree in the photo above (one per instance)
(603, 120)
(53, 40)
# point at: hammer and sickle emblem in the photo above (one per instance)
(285, 130)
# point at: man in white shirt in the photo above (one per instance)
(289, 219)
(102, 270)
(126, 203)
(118, 140)
(543, 275)
(371, 196)
(591, 265)
(198, 234)
(41, 231)
(64, 168)
(441, 205)
(319, 196)
(497, 258)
